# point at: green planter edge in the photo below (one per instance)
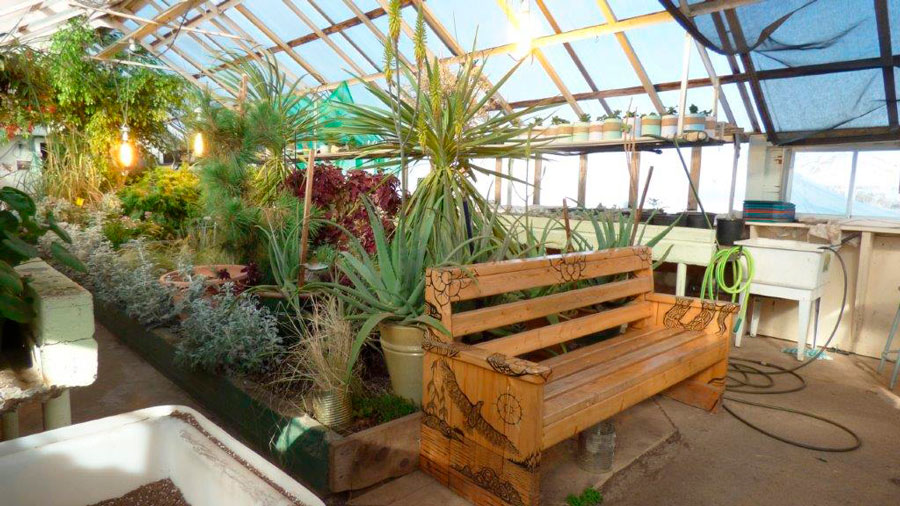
(299, 445)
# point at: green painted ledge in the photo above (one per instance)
(298, 444)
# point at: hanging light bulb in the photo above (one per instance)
(199, 145)
(126, 150)
(522, 30)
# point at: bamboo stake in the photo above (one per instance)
(640, 208)
(307, 203)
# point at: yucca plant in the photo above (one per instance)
(446, 126)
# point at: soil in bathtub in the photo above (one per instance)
(158, 493)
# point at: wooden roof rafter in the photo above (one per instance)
(887, 69)
(735, 68)
(280, 43)
(545, 63)
(343, 33)
(148, 28)
(571, 51)
(323, 36)
(741, 44)
(632, 57)
(209, 13)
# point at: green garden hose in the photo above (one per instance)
(714, 277)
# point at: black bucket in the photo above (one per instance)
(665, 219)
(695, 219)
(729, 230)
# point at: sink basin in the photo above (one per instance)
(790, 264)
(107, 458)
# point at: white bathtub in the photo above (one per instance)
(89, 462)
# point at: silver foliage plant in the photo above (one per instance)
(131, 281)
(228, 332)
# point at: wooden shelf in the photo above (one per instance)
(561, 148)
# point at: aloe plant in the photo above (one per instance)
(616, 232)
(386, 286)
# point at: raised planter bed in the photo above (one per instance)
(307, 450)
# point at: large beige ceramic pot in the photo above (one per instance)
(402, 346)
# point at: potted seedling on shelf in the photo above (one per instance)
(669, 123)
(581, 128)
(563, 129)
(710, 124)
(612, 125)
(595, 130)
(632, 125)
(537, 128)
(650, 124)
(695, 119)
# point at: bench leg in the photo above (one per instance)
(703, 390)
(481, 433)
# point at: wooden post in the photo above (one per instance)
(538, 168)
(58, 411)
(734, 170)
(498, 181)
(634, 171)
(695, 178)
(307, 203)
(9, 425)
(862, 282)
(582, 178)
(685, 71)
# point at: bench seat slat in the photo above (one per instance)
(652, 374)
(619, 361)
(514, 312)
(542, 337)
(574, 361)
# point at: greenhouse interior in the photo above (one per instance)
(449, 252)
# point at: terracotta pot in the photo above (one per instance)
(565, 133)
(403, 354)
(612, 129)
(211, 272)
(669, 126)
(650, 125)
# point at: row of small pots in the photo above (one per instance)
(615, 128)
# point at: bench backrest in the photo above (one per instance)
(444, 286)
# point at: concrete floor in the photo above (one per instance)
(718, 460)
(713, 460)
(125, 382)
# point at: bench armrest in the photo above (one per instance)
(693, 313)
(509, 366)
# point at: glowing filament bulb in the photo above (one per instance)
(199, 145)
(127, 153)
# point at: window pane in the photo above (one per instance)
(877, 188)
(607, 180)
(669, 185)
(716, 163)
(820, 181)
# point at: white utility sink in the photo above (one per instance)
(107, 458)
(791, 264)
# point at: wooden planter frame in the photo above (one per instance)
(304, 448)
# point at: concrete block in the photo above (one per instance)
(69, 364)
(65, 310)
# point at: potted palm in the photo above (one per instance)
(612, 126)
(650, 125)
(632, 125)
(695, 119)
(669, 123)
(581, 128)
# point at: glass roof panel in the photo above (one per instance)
(605, 62)
(278, 18)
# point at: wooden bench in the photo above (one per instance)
(488, 415)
